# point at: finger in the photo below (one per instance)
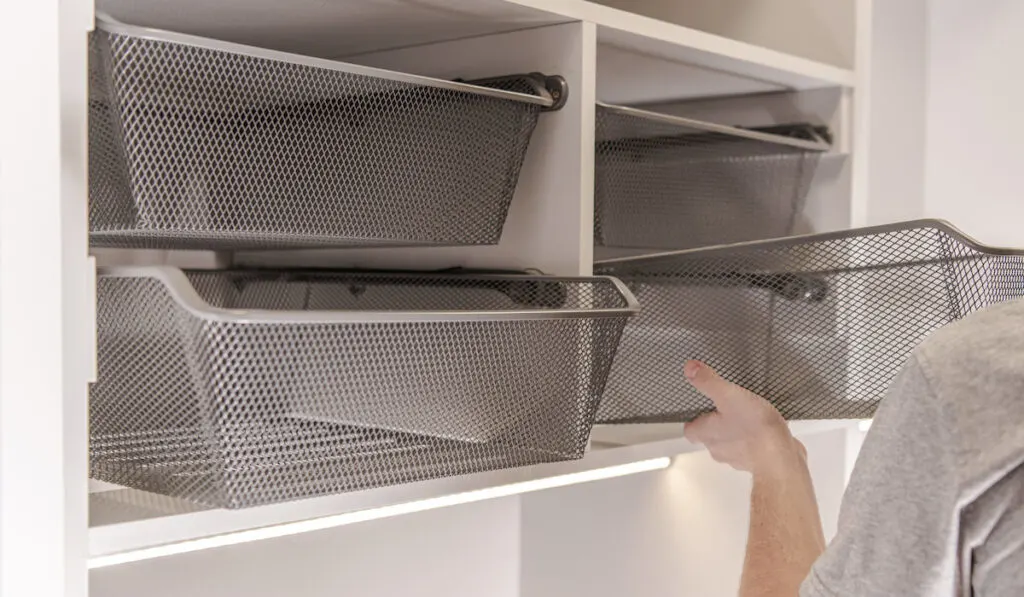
(724, 394)
(703, 429)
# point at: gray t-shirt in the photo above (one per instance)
(936, 503)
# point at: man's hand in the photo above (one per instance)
(745, 431)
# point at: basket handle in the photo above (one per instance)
(817, 143)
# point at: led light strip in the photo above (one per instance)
(337, 520)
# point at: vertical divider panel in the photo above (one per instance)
(856, 120)
(46, 344)
(858, 110)
(588, 93)
(550, 222)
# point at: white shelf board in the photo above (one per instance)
(627, 77)
(711, 64)
(675, 43)
(126, 520)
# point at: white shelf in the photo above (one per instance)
(712, 64)
(626, 77)
(675, 43)
(130, 525)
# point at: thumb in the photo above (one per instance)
(724, 394)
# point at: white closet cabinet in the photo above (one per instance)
(751, 63)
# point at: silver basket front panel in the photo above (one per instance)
(202, 144)
(664, 182)
(819, 325)
(242, 388)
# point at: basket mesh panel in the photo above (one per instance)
(666, 186)
(820, 326)
(239, 414)
(192, 147)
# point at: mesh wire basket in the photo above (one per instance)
(666, 182)
(195, 143)
(820, 325)
(239, 388)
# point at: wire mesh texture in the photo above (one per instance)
(664, 182)
(819, 325)
(238, 388)
(199, 144)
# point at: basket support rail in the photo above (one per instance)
(819, 143)
(554, 87)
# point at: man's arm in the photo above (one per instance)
(747, 433)
(785, 531)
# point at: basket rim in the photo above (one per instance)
(789, 241)
(184, 294)
(108, 24)
(816, 146)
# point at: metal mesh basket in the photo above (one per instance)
(239, 388)
(666, 182)
(820, 325)
(195, 143)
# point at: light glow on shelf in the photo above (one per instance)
(337, 520)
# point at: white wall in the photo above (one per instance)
(463, 551)
(897, 115)
(945, 116)
(680, 532)
(975, 121)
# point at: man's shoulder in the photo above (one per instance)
(975, 371)
(994, 335)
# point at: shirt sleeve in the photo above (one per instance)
(897, 531)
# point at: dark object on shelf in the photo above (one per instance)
(820, 324)
(239, 388)
(196, 143)
(665, 182)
